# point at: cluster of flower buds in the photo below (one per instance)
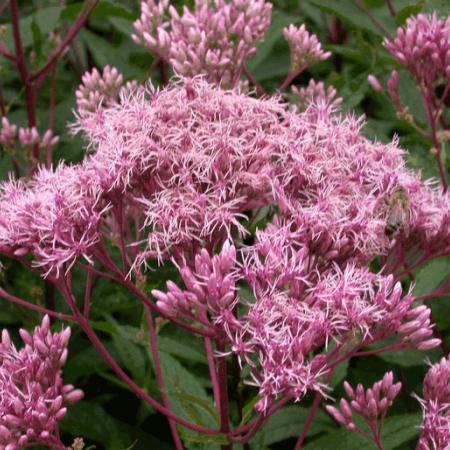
(305, 48)
(214, 39)
(317, 93)
(436, 407)
(371, 404)
(33, 396)
(97, 88)
(423, 47)
(417, 330)
(10, 135)
(211, 287)
(393, 85)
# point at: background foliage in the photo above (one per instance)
(111, 417)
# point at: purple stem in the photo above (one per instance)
(212, 371)
(18, 301)
(84, 324)
(391, 7)
(159, 375)
(223, 392)
(40, 75)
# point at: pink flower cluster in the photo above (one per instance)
(316, 93)
(211, 288)
(423, 46)
(33, 396)
(213, 39)
(97, 89)
(371, 404)
(305, 48)
(10, 136)
(55, 217)
(176, 173)
(436, 407)
(303, 302)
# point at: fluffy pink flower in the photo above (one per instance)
(55, 217)
(33, 396)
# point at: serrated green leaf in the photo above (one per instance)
(182, 383)
(132, 357)
(349, 12)
(203, 404)
(207, 439)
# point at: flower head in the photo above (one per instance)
(213, 39)
(34, 397)
(305, 47)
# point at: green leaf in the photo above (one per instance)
(287, 423)
(404, 358)
(105, 53)
(274, 34)
(132, 357)
(408, 11)
(339, 373)
(181, 349)
(349, 12)
(431, 275)
(183, 385)
(122, 25)
(397, 430)
(46, 19)
(201, 403)
(248, 409)
(82, 364)
(90, 420)
(206, 439)
(103, 10)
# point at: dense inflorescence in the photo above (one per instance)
(34, 397)
(435, 405)
(213, 39)
(423, 47)
(188, 165)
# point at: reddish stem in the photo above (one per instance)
(289, 79)
(212, 372)
(391, 8)
(18, 301)
(436, 144)
(259, 89)
(64, 287)
(309, 420)
(223, 392)
(159, 375)
(40, 75)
